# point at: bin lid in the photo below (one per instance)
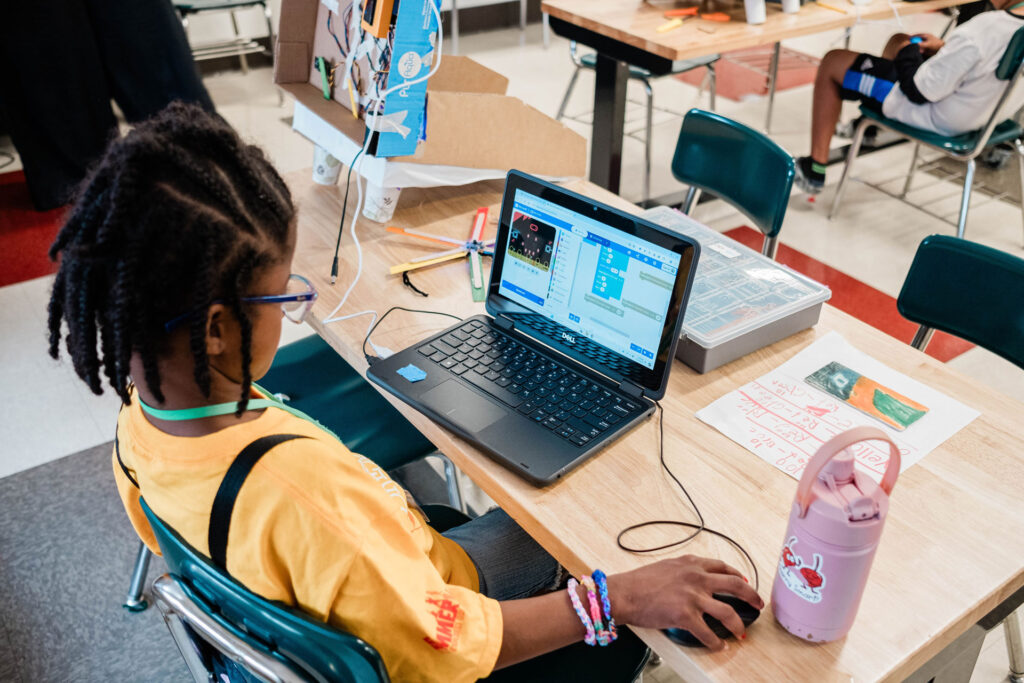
(735, 290)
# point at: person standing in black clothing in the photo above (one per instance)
(61, 63)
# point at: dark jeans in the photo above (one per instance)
(62, 61)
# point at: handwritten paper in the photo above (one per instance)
(784, 420)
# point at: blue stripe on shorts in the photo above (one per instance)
(867, 85)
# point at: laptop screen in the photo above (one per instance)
(596, 281)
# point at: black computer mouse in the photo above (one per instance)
(747, 613)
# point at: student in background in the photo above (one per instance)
(947, 87)
(63, 61)
(175, 264)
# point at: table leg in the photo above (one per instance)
(609, 121)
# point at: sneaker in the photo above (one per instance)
(849, 128)
(996, 157)
(810, 175)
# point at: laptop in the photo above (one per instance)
(585, 306)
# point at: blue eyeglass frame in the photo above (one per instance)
(310, 295)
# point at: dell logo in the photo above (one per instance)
(568, 337)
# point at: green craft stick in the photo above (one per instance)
(325, 83)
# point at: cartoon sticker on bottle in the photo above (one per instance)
(807, 581)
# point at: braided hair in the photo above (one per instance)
(177, 213)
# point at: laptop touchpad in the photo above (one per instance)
(462, 406)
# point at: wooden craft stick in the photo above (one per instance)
(425, 236)
(670, 25)
(831, 7)
(684, 12)
(403, 267)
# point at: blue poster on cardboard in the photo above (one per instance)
(413, 53)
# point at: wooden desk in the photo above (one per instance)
(624, 32)
(953, 547)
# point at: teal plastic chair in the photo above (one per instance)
(968, 290)
(737, 164)
(976, 293)
(310, 376)
(206, 609)
(966, 147)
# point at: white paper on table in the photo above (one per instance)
(784, 420)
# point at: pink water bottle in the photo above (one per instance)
(834, 527)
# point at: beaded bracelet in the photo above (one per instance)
(589, 638)
(602, 586)
(603, 637)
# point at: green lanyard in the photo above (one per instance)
(226, 409)
(1019, 4)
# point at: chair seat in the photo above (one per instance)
(589, 61)
(1007, 130)
(192, 6)
(321, 384)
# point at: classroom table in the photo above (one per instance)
(625, 32)
(953, 547)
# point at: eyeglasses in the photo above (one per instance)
(296, 302)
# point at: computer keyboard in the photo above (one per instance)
(569, 404)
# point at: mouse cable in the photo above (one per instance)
(344, 209)
(698, 528)
(370, 360)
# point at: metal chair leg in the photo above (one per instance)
(241, 56)
(773, 72)
(910, 172)
(858, 138)
(455, 27)
(451, 476)
(965, 200)
(692, 195)
(568, 94)
(954, 14)
(522, 15)
(647, 140)
(922, 337)
(770, 246)
(135, 602)
(270, 37)
(712, 86)
(546, 30)
(1020, 164)
(1014, 645)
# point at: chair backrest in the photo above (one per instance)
(736, 163)
(1009, 69)
(969, 290)
(317, 651)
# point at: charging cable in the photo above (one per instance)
(361, 155)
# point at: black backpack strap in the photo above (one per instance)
(117, 452)
(224, 501)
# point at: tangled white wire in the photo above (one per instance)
(375, 99)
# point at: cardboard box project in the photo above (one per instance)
(467, 122)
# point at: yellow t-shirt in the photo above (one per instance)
(321, 528)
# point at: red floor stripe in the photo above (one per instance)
(25, 234)
(864, 302)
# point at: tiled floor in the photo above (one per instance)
(873, 238)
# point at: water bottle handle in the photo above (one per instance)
(836, 445)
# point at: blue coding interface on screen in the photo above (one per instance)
(591, 278)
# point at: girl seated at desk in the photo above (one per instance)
(175, 265)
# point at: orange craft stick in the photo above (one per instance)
(716, 16)
(401, 231)
(684, 12)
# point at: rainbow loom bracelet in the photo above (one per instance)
(603, 637)
(589, 638)
(602, 586)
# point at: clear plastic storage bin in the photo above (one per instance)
(741, 301)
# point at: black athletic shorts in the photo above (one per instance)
(869, 80)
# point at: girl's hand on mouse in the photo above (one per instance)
(676, 593)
